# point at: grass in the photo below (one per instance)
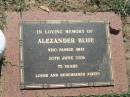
(2, 21)
(105, 95)
(121, 7)
(109, 95)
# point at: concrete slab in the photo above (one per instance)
(12, 71)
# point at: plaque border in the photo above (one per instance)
(65, 85)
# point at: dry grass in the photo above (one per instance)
(119, 6)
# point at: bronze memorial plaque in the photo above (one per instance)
(57, 54)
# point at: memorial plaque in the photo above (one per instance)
(57, 54)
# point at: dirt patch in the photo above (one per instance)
(127, 46)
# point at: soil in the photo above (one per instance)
(127, 47)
